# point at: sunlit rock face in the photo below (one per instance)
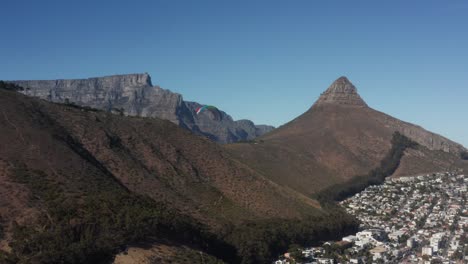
(135, 95)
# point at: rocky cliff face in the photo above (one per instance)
(221, 129)
(342, 92)
(135, 95)
(425, 138)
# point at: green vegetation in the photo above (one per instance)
(335, 251)
(119, 111)
(89, 217)
(263, 241)
(2, 233)
(1, 228)
(10, 86)
(5, 258)
(464, 155)
(82, 108)
(3, 255)
(377, 176)
(295, 252)
(93, 226)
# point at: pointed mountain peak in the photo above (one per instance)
(341, 92)
(342, 85)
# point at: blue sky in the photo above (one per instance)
(267, 61)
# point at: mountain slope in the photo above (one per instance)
(337, 138)
(68, 164)
(135, 95)
(147, 156)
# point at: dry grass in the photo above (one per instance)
(329, 144)
(147, 156)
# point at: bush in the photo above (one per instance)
(94, 225)
(464, 155)
(10, 86)
(82, 108)
(377, 176)
(263, 241)
(89, 221)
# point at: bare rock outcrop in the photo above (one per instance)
(428, 139)
(223, 128)
(341, 91)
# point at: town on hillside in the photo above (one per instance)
(421, 219)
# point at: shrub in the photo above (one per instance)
(263, 241)
(10, 86)
(377, 176)
(92, 227)
(464, 155)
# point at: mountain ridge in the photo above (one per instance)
(344, 94)
(92, 173)
(135, 95)
(340, 137)
(257, 196)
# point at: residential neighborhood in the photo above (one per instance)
(421, 219)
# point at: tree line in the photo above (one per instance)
(263, 241)
(10, 86)
(464, 155)
(388, 166)
(93, 225)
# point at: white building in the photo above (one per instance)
(396, 235)
(411, 243)
(324, 261)
(364, 235)
(349, 239)
(435, 241)
(427, 251)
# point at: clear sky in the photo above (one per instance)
(267, 61)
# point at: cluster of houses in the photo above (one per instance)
(422, 219)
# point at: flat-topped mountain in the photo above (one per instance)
(340, 137)
(135, 95)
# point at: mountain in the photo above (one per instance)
(77, 185)
(339, 137)
(135, 95)
(81, 185)
(223, 129)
